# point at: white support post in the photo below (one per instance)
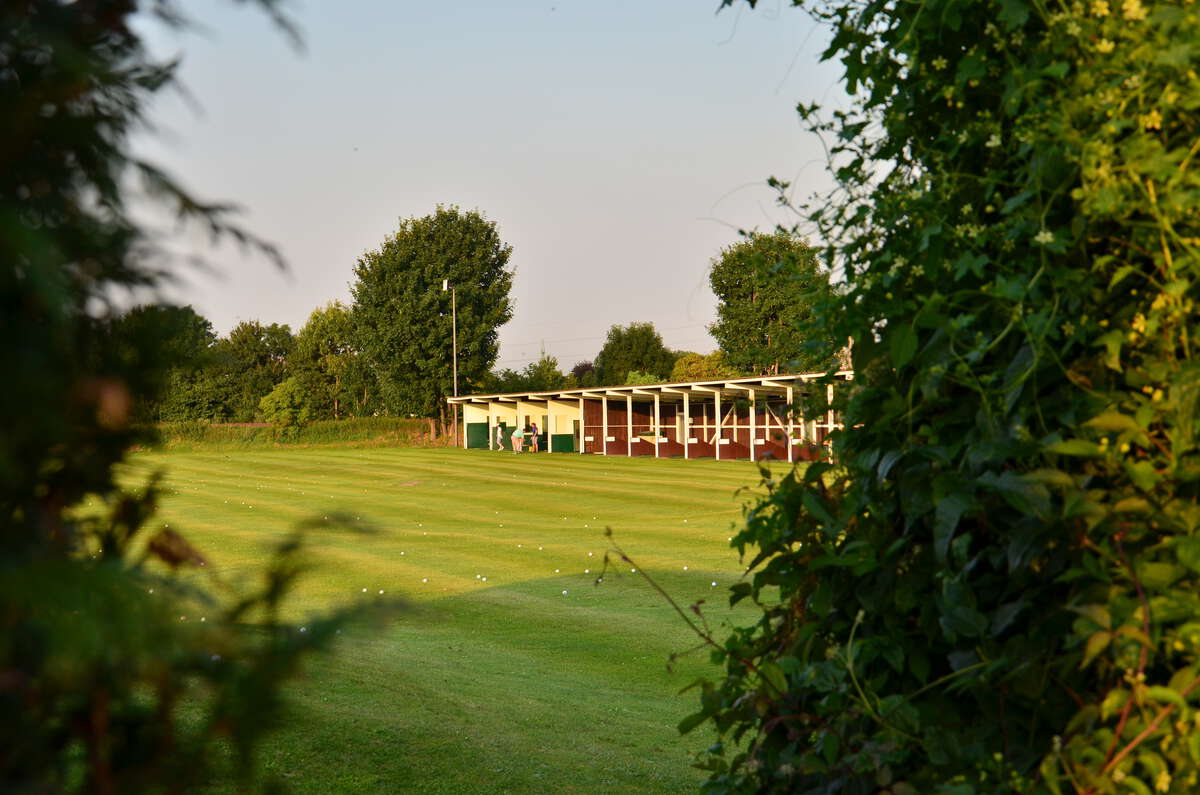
(629, 425)
(753, 436)
(717, 430)
(657, 422)
(604, 424)
(687, 426)
(791, 427)
(582, 428)
(829, 418)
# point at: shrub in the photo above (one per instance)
(286, 407)
(995, 590)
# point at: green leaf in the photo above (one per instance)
(1165, 695)
(1050, 477)
(1096, 643)
(963, 620)
(1158, 576)
(691, 722)
(1187, 550)
(1076, 447)
(1120, 275)
(949, 510)
(902, 342)
(1057, 70)
(1143, 475)
(1097, 614)
(1112, 342)
(1132, 505)
(774, 676)
(1114, 421)
(816, 506)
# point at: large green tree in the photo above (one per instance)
(403, 315)
(767, 286)
(324, 358)
(249, 363)
(636, 347)
(95, 665)
(185, 341)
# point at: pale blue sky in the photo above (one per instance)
(617, 145)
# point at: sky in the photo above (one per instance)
(618, 146)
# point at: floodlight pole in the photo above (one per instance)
(454, 350)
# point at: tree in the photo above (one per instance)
(584, 373)
(698, 367)
(634, 347)
(250, 362)
(994, 589)
(766, 288)
(185, 339)
(404, 317)
(97, 669)
(544, 375)
(286, 407)
(638, 377)
(323, 357)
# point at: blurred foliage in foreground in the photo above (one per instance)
(998, 589)
(100, 642)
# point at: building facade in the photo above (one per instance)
(732, 418)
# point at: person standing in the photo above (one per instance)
(499, 437)
(533, 437)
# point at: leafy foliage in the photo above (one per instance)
(325, 360)
(185, 339)
(634, 347)
(996, 590)
(403, 316)
(584, 373)
(95, 659)
(698, 367)
(767, 287)
(286, 407)
(250, 362)
(542, 375)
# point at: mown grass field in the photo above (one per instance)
(533, 680)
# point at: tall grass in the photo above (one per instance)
(357, 432)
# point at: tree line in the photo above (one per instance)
(390, 351)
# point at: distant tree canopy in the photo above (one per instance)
(326, 364)
(542, 375)
(698, 367)
(403, 315)
(251, 361)
(184, 342)
(766, 288)
(584, 373)
(634, 347)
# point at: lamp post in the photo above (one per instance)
(454, 342)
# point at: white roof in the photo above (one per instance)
(765, 383)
